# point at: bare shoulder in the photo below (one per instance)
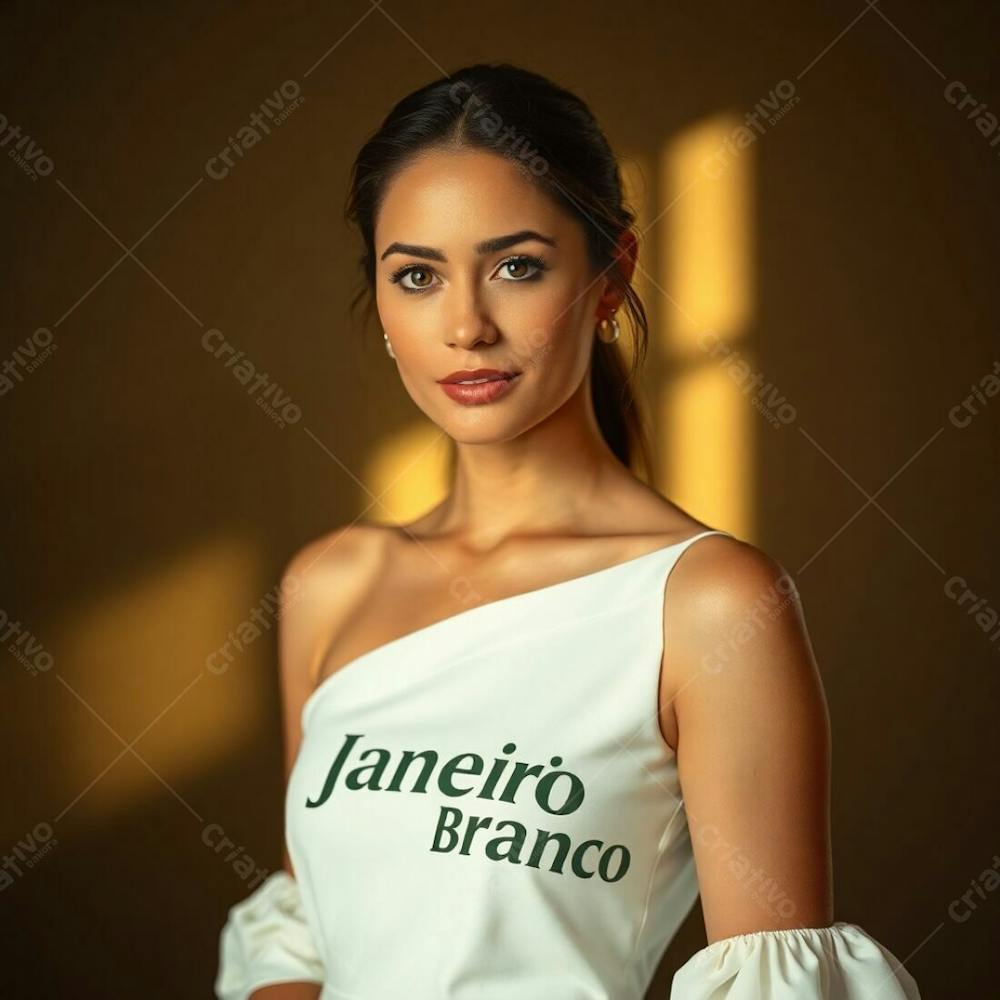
(333, 555)
(723, 567)
(319, 585)
(730, 602)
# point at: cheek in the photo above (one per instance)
(411, 327)
(550, 335)
(392, 314)
(414, 334)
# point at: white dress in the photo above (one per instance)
(485, 809)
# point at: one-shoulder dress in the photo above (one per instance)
(486, 809)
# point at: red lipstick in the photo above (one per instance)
(477, 386)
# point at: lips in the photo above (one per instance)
(477, 376)
(478, 386)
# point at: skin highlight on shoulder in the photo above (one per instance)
(324, 579)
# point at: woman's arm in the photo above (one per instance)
(753, 743)
(267, 937)
(305, 614)
(753, 756)
(288, 991)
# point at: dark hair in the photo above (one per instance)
(554, 139)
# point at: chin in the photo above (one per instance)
(477, 425)
(486, 434)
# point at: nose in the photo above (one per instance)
(468, 322)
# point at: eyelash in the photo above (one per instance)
(537, 262)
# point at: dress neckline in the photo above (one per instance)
(500, 603)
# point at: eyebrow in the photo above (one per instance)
(493, 245)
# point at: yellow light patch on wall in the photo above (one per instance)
(131, 654)
(710, 448)
(704, 229)
(406, 474)
(706, 232)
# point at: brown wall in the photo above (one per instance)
(151, 503)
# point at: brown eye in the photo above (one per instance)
(418, 283)
(522, 268)
(402, 278)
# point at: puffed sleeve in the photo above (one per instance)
(840, 962)
(266, 940)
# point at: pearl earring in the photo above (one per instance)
(388, 346)
(604, 326)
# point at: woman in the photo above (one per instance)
(487, 737)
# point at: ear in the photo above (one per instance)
(627, 253)
(625, 256)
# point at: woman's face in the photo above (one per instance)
(448, 303)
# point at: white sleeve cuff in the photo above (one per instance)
(841, 962)
(266, 940)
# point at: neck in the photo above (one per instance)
(541, 481)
